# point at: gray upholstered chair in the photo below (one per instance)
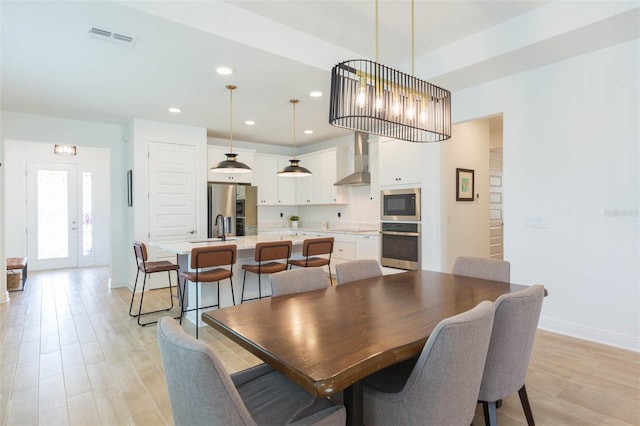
(203, 393)
(478, 267)
(357, 270)
(514, 330)
(298, 281)
(441, 387)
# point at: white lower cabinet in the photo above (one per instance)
(367, 247)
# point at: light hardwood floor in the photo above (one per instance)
(70, 354)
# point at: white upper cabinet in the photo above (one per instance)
(272, 189)
(215, 154)
(399, 162)
(374, 170)
(319, 188)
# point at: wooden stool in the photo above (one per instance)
(204, 260)
(140, 251)
(265, 254)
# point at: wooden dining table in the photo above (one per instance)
(330, 340)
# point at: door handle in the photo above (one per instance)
(193, 231)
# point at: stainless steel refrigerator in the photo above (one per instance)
(237, 204)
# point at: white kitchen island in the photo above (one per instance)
(246, 251)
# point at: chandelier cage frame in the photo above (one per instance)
(373, 98)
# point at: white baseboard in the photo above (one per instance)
(592, 334)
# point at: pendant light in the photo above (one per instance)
(231, 164)
(369, 97)
(294, 169)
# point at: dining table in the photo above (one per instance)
(328, 341)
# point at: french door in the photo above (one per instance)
(59, 215)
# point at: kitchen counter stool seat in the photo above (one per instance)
(146, 267)
(311, 249)
(266, 256)
(208, 267)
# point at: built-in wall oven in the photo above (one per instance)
(400, 205)
(400, 245)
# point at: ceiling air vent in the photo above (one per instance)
(104, 34)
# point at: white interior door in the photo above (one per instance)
(53, 230)
(172, 192)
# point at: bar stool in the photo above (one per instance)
(140, 251)
(202, 260)
(311, 248)
(265, 254)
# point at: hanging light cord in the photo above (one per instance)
(413, 52)
(294, 102)
(231, 88)
(377, 36)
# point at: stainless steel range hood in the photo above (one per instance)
(361, 175)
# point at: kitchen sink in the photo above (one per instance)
(209, 240)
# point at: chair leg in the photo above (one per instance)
(170, 291)
(259, 288)
(489, 409)
(133, 293)
(181, 292)
(144, 283)
(233, 297)
(197, 307)
(243, 281)
(524, 399)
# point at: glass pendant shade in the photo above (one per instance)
(294, 169)
(231, 164)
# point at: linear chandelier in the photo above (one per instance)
(369, 97)
(231, 164)
(294, 169)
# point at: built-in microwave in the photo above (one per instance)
(400, 205)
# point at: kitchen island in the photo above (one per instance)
(246, 252)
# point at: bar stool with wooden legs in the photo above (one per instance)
(311, 249)
(206, 263)
(143, 265)
(266, 255)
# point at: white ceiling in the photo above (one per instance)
(279, 50)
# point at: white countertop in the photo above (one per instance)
(242, 243)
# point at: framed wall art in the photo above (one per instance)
(465, 185)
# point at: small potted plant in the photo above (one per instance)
(294, 221)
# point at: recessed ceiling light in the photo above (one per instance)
(224, 70)
(308, 132)
(175, 110)
(249, 122)
(315, 94)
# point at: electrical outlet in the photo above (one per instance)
(339, 214)
(281, 214)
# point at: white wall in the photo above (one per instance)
(465, 224)
(571, 167)
(51, 130)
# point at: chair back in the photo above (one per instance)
(357, 270)
(200, 390)
(442, 388)
(486, 269)
(140, 250)
(514, 330)
(317, 246)
(208, 257)
(273, 250)
(298, 281)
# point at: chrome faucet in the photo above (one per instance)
(224, 238)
